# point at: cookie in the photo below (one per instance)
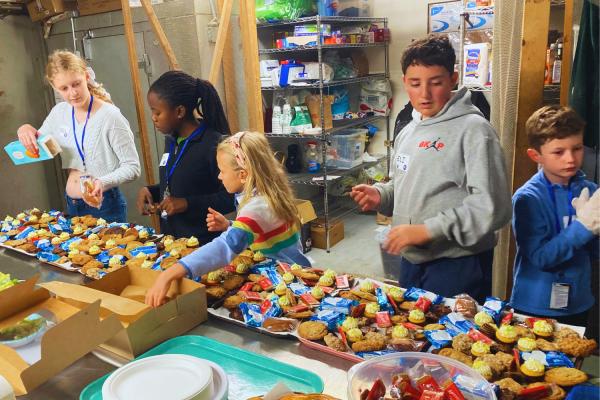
(456, 355)
(509, 384)
(545, 345)
(232, 302)
(233, 282)
(373, 341)
(576, 346)
(565, 332)
(215, 292)
(557, 393)
(565, 376)
(312, 330)
(334, 342)
(434, 327)
(462, 343)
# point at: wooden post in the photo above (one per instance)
(229, 79)
(160, 34)
(251, 64)
(222, 35)
(567, 54)
(536, 19)
(137, 93)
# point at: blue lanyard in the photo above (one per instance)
(197, 132)
(81, 149)
(553, 198)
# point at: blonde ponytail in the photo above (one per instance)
(65, 61)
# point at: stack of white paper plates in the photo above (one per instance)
(167, 376)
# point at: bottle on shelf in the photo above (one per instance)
(312, 158)
(276, 121)
(286, 119)
(557, 66)
(549, 64)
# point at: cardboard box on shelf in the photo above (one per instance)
(78, 330)
(90, 7)
(42, 9)
(306, 212)
(122, 293)
(318, 233)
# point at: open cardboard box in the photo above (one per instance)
(77, 332)
(306, 213)
(122, 294)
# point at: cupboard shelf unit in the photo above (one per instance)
(324, 177)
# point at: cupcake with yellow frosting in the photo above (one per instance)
(349, 323)
(416, 316)
(354, 335)
(482, 318)
(396, 294)
(175, 253)
(242, 268)
(73, 253)
(100, 221)
(280, 289)
(33, 218)
(93, 236)
(15, 223)
(147, 264)
(506, 334)
(284, 301)
(9, 219)
(483, 368)
(73, 245)
(94, 250)
(400, 332)
(64, 236)
(371, 309)
(21, 216)
(288, 277)
(367, 286)
(192, 242)
(56, 241)
(144, 234)
(78, 230)
(325, 280)
(526, 344)
(114, 261)
(296, 267)
(479, 349)
(533, 368)
(213, 277)
(110, 243)
(330, 273)
(258, 257)
(317, 293)
(543, 328)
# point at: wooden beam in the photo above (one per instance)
(251, 65)
(222, 36)
(536, 19)
(160, 34)
(567, 54)
(229, 79)
(137, 95)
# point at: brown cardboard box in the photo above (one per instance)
(317, 232)
(77, 332)
(42, 9)
(89, 7)
(306, 212)
(145, 327)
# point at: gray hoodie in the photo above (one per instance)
(448, 173)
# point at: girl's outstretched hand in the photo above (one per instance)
(215, 221)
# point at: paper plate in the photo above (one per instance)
(167, 376)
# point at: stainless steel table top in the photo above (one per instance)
(69, 383)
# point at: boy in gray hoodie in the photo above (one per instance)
(448, 192)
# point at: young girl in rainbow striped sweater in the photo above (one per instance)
(267, 219)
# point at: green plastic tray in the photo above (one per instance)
(249, 374)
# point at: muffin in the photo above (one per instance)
(367, 286)
(416, 316)
(191, 242)
(483, 318)
(280, 289)
(479, 349)
(506, 334)
(317, 293)
(526, 344)
(400, 332)
(288, 277)
(326, 280)
(533, 368)
(371, 310)
(543, 328)
(349, 323)
(354, 335)
(396, 294)
(483, 368)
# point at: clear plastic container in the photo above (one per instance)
(347, 148)
(362, 376)
(354, 8)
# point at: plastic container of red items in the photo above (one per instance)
(416, 376)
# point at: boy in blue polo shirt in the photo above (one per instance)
(555, 223)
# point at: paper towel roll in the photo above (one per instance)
(6, 390)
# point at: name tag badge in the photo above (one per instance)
(559, 297)
(402, 162)
(164, 159)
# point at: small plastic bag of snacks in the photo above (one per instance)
(466, 305)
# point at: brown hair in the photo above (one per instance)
(552, 122)
(430, 51)
(65, 61)
(265, 175)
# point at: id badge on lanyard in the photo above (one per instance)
(559, 296)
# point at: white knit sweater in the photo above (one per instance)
(109, 148)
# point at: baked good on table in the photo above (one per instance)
(312, 330)
(533, 368)
(335, 342)
(565, 376)
(556, 392)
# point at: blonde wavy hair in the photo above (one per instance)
(65, 61)
(265, 174)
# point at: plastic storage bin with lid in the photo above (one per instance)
(417, 372)
(347, 148)
(354, 8)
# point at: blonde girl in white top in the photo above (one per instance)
(96, 139)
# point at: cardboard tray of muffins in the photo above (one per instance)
(90, 245)
(356, 319)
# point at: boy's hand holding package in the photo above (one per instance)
(366, 196)
(215, 221)
(588, 210)
(402, 236)
(92, 192)
(174, 205)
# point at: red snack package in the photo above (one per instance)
(383, 319)
(327, 289)
(423, 304)
(414, 327)
(451, 391)
(285, 267)
(299, 308)
(230, 269)
(394, 305)
(341, 281)
(358, 311)
(426, 382)
(535, 393)
(309, 299)
(247, 287)
(507, 319)
(265, 305)
(432, 395)
(377, 390)
(479, 337)
(252, 296)
(265, 283)
(517, 359)
(343, 335)
(402, 388)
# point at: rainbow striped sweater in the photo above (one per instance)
(256, 227)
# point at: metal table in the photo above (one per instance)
(69, 383)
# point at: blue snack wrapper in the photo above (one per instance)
(337, 304)
(44, 245)
(6, 227)
(263, 265)
(47, 256)
(65, 245)
(414, 293)
(103, 257)
(494, 307)
(330, 317)
(471, 388)
(252, 315)
(456, 321)
(55, 228)
(298, 288)
(382, 300)
(557, 359)
(370, 354)
(23, 234)
(148, 250)
(274, 277)
(274, 310)
(3, 238)
(438, 338)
